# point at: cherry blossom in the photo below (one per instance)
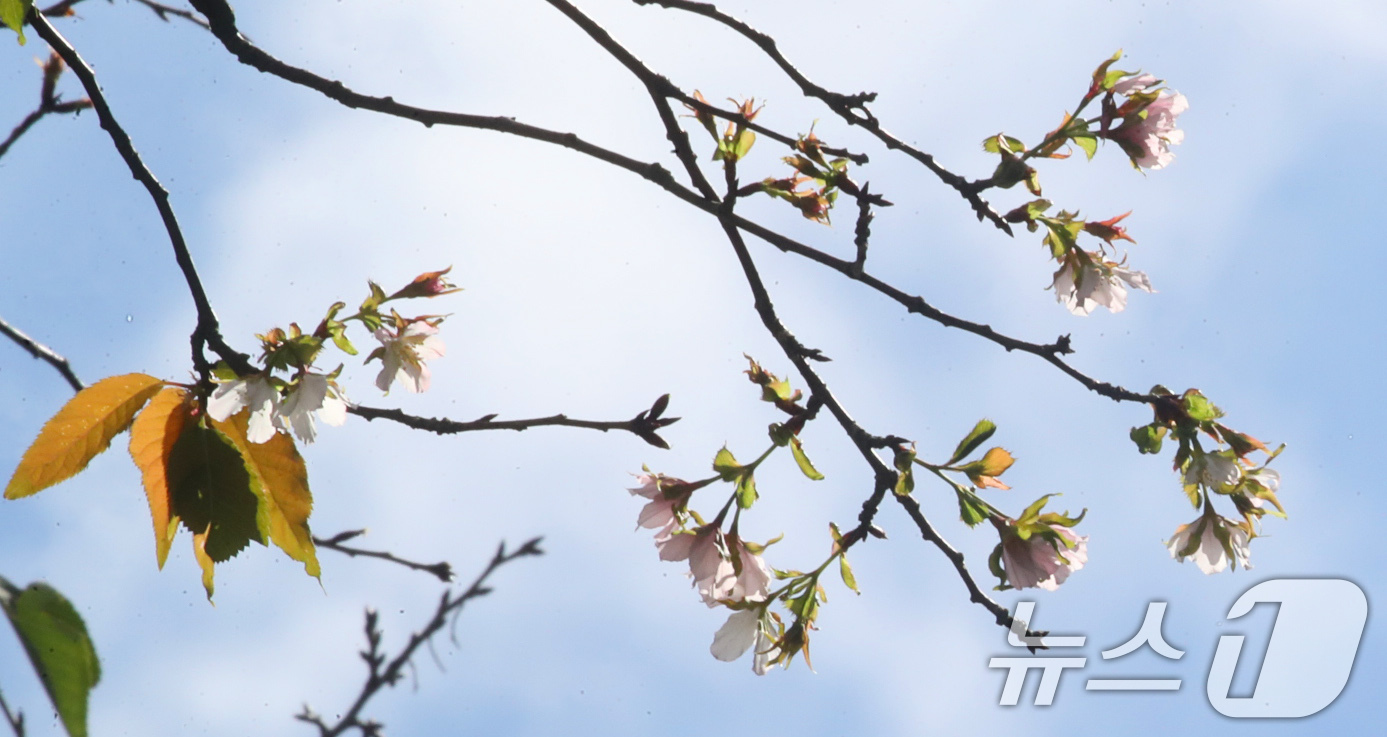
(1040, 562)
(1134, 83)
(754, 581)
(404, 355)
(743, 630)
(1147, 134)
(1217, 471)
(1088, 281)
(313, 394)
(255, 392)
(1212, 541)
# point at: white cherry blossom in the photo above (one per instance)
(405, 354)
(255, 392)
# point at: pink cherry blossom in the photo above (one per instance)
(405, 354)
(1147, 135)
(1134, 83)
(1037, 562)
(753, 583)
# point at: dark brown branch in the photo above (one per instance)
(223, 26)
(851, 108)
(43, 353)
(207, 331)
(64, 8)
(442, 569)
(50, 103)
(381, 673)
(644, 425)
(14, 718)
(975, 592)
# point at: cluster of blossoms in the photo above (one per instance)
(1140, 117)
(1214, 542)
(1037, 549)
(294, 405)
(812, 189)
(728, 570)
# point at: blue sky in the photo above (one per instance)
(591, 293)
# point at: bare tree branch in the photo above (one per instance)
(644, 425)
(443, 570)
(224, 28)
(43, 353)
(381, 673)
(14, 718)
(64, 8)
(50, 103)
(851, 108)
(207, 331)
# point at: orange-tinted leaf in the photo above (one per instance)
(152, 437)
(204, 560)
(281, 480)
(996, 461)
(80, 431)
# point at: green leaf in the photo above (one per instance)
(1033, 511)
(58, 645)
(339, 337)
(12, 14)
(905, 473)
(726, 465)
(745, 140)
(1036, 208)
(1199, 408)
(991, 145)
(805, 466)
(211, 493)
(373, 302)
(994, 564)
(845, 571)
(746, 490)
(1088, 143)
(970, 510)
(1148, 437)
(975, 437)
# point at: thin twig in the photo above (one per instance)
(851, 108)
(224, 28)
(14, 718)
(975, 592)
(442, 569)
(43, 353)
(50, 103)
(644, 425)
(64, 8)
(381, 673)
(207, 331)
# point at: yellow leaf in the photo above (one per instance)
(203, 559)
(996, 461)
(281, 480)
(152, 437)
(80, 431)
